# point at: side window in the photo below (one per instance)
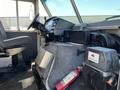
(8, 14)
(26, 14)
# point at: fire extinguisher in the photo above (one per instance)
(67, 80)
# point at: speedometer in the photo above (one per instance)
(50, 25)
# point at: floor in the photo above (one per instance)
(19, 81)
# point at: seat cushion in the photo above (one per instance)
(15, 42)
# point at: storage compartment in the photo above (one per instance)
(102, 59)
(67, 56)
(101, 67)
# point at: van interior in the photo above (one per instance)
(59, 45)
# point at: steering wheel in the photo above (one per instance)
(34, 20)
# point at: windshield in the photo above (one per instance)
(97, 10)
(62, 8)
(90, 10)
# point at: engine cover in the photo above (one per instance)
(104, 60)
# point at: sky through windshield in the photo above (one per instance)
(86, 7)
(98, 7)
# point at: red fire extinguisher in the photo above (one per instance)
(65, 82)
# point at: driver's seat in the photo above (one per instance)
(14, 45)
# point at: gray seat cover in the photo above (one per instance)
(15, 42)
(2, 32)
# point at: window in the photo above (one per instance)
(97, 10)
(8, 14)
(26, 14)
(62, 9)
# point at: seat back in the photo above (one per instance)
(2, 32)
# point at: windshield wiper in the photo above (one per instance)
(112, 17)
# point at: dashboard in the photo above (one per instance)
(50, 24)
(57, 25)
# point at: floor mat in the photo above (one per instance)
(19, 81)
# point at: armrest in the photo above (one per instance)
(19, 41)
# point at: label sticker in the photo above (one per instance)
(69, 77)
(94, 57)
